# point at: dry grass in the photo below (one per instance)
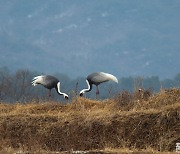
(126, 123)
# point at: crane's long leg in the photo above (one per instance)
(97, 91)
(49, 93)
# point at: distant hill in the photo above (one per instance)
(78, 37)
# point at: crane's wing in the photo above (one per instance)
(37, 80)
(100, 77)
(109, 76)
(46, 80)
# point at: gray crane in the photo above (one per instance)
(49, 82)
(96, 79)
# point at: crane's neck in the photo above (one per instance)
(59, 92)
(88, 89)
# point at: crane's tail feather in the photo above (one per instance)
(111, 77)
(36, 80)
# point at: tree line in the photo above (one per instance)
(17, 87)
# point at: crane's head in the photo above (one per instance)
(66, 96)
(81, 93)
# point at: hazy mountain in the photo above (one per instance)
(76, 37)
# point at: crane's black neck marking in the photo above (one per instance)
(58, 89)
(59, 92)
(89, 87)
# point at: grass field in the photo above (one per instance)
(128, 122)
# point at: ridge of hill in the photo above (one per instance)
(125, 123)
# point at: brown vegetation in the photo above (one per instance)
(127, 121)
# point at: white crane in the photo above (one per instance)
(96, 79)
(49, 82)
